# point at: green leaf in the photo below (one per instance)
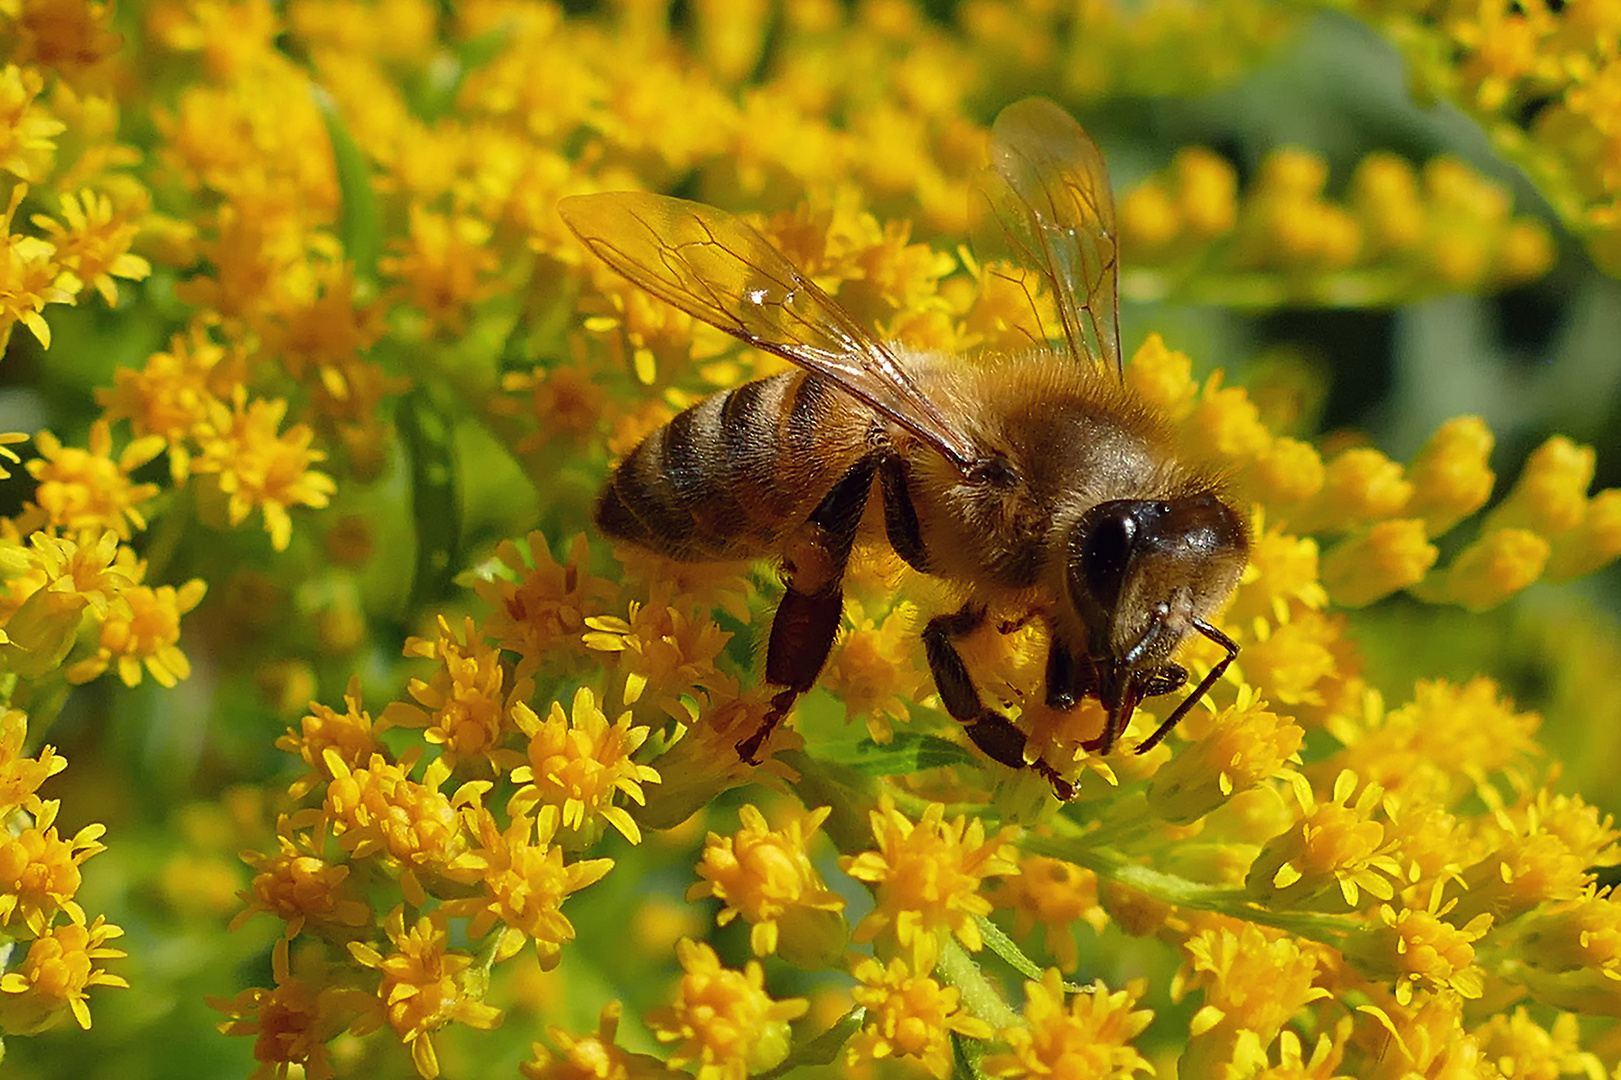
(825, 1048)
(360, 225)
(907, 753)
(1005, 947)
(427, 433)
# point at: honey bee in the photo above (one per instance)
(1033, 481)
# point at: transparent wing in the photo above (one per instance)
(717, 268)
(1048, 194)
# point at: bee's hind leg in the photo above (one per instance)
(994, 734)
(807, 619)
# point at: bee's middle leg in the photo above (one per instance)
(994, 734)
(807, 619)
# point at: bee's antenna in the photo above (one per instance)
(1198, 691)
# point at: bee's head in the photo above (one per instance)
(1142, 574)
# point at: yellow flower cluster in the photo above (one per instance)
(57, 948)
(1398, 235)
(1542, 79)
(362, 322)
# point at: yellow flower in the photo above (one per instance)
(1336, 845)
(1057, 895)
(424, 985)
(464, 705)
(351, 735)
(767, 876)
(446, 265)
(39, 872)
(522, 881)
(591, 1057)
(1245, 745)
(172, 394)
(664, 652)
(1251, 980)
(1494, 568)
(1370, 565)
(297, 886)
(292, 1023)
(21, 777)
(724, 1021)
(53, 978)
(86, 489)
(909, 1016)
(927, 878)
(94, 244)
(379, 809)
(53, 582)
(146, 634)
(1090, 1038)
(540, 605)
(30, 278)
(1449, 474)
(1422, 950)
(579, 762)
(254, 466)
(27, 130)
(873, 670)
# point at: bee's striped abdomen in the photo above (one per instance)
(729, 477)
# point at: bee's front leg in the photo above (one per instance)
(993, 733)
(807, 619)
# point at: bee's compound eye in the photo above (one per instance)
(1101, 549)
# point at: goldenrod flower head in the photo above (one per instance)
(1437, 746)
(87, 489)
(1282, 574)
(54, 977)
(909, 1016)
(173, 393)
(1286, 477)
(94, 243)
(297, 886)
(28, 134)
(1450, 476)
(255, 467)
(591, 1057)
(1534, 1049)
(30, 278)
(565, 402)
(1244, 745)
(1336, 848)
(1251, 980)
(927, 878)
(523, 882)
(464, 706)
(766, 876)
(1163, 378)
(379, 809)
(1292, 658)
(143, 631)
(1227, 422)
(39, 872)
(578, 762)
(1535, 853)
(21, 777)
(725, 1022)
(445, 266)
(1090, 1038)
(874, 668)
(292, 1022)
(664, 652)
(1057, 895)
(423, 985)
(1495, 567)
(1371, 564)
(541, 608)
(1420, 949)
(351, 735)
